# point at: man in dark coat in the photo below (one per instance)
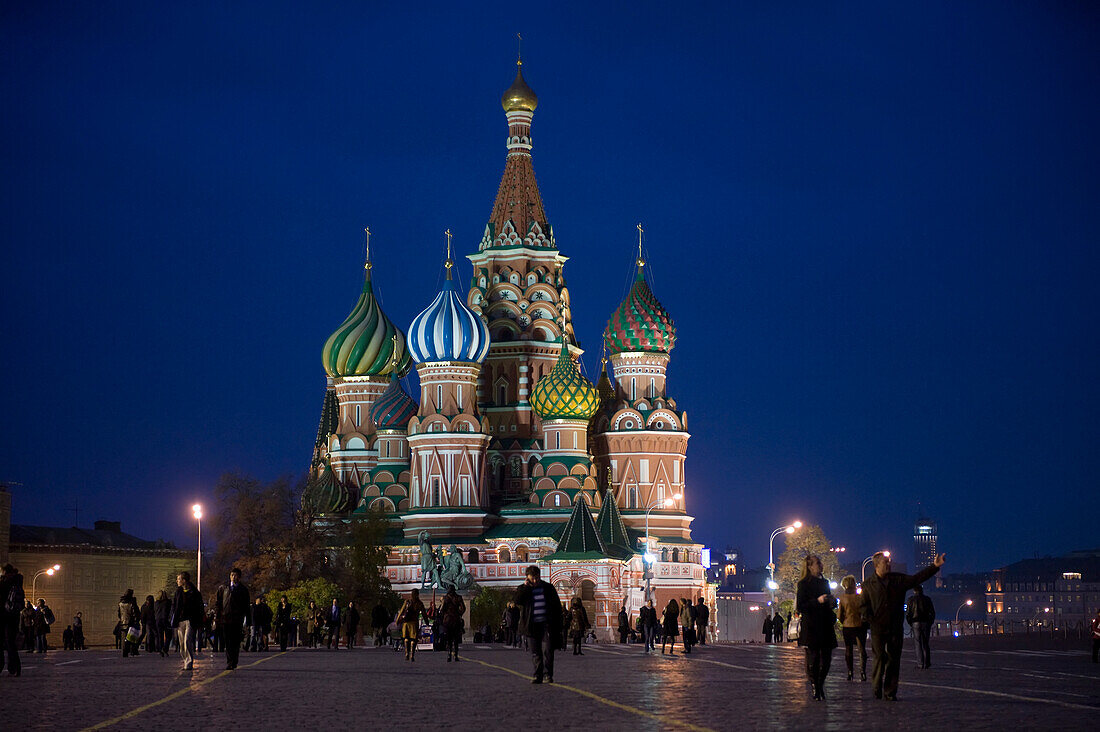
(540, 619)
(702, 620)
(650, 625)
(332, 624)
(12, 602)
(777, 628)
(884, 608)
(148, 616)
(261, 625)
(234, 611)
(767, 629)
(380, 620)
(624, 624)
(920, 614)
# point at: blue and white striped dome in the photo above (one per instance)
(447, 330)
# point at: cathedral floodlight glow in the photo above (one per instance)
(511, 455)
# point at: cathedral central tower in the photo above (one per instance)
(519, 290)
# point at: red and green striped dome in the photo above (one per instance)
(640, 324)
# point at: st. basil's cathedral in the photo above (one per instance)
(512, 456)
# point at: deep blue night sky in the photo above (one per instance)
(876, 228)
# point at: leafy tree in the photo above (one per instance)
(358, 560)
(810, 539)
(487, 606)
(318, 589)
(261, 529)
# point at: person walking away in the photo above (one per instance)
(283, 622)
(148, 625)
(777, 628)
(162, 619)
(1096, 637)
(624, 625)
(380, 619)
(853, 627)
(78, 632)
(332, 625)
(12, 603)
(920, 614)
(451, 612)
(351, 625)
(234, 611)
(408, 619)
(814, 601)
(43, 619)
(702, 621)
(539, 621)
(767, 629)
(687, 623)
(67, 638)
(669, 624)
(187, 617)
(578, 624)
(129, 617)
(883, 607)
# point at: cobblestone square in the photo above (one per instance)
(974, 683)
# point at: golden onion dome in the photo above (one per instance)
(519, 96)
(564, 393)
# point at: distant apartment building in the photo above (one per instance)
(1052, 589)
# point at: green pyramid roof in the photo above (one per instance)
(579, 539)
(612, 530)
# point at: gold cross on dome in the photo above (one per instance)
(641, 261)
(366, 249)
(449, 263)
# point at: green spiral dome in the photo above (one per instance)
(364, 345)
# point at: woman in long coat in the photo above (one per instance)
(670, 625)
(815, 603)
(452, 610)
(578, 624)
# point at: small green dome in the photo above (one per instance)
(327, 493)
(364, 343)
(564, 393)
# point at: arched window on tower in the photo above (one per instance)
(474, 557)
(633, 389)
(521, 553)
(502, 394)
(652, 388)
(504, 556)
(632, 497)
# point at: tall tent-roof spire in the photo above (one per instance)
(610, 526)
(518, 217)
(579, 540)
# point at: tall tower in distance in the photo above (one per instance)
(924, 542)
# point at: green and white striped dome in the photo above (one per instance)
(364, 343)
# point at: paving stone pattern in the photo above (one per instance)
(974, 683)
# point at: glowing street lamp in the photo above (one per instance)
(790, 529)
(863, 568)
(49, 572)
(196, 511)
(968, 603)
(649, 558)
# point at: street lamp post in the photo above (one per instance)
(789, 529)
(968, 603)
(648, 558)
(196, 511)
(49, 572)
(863, 568)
